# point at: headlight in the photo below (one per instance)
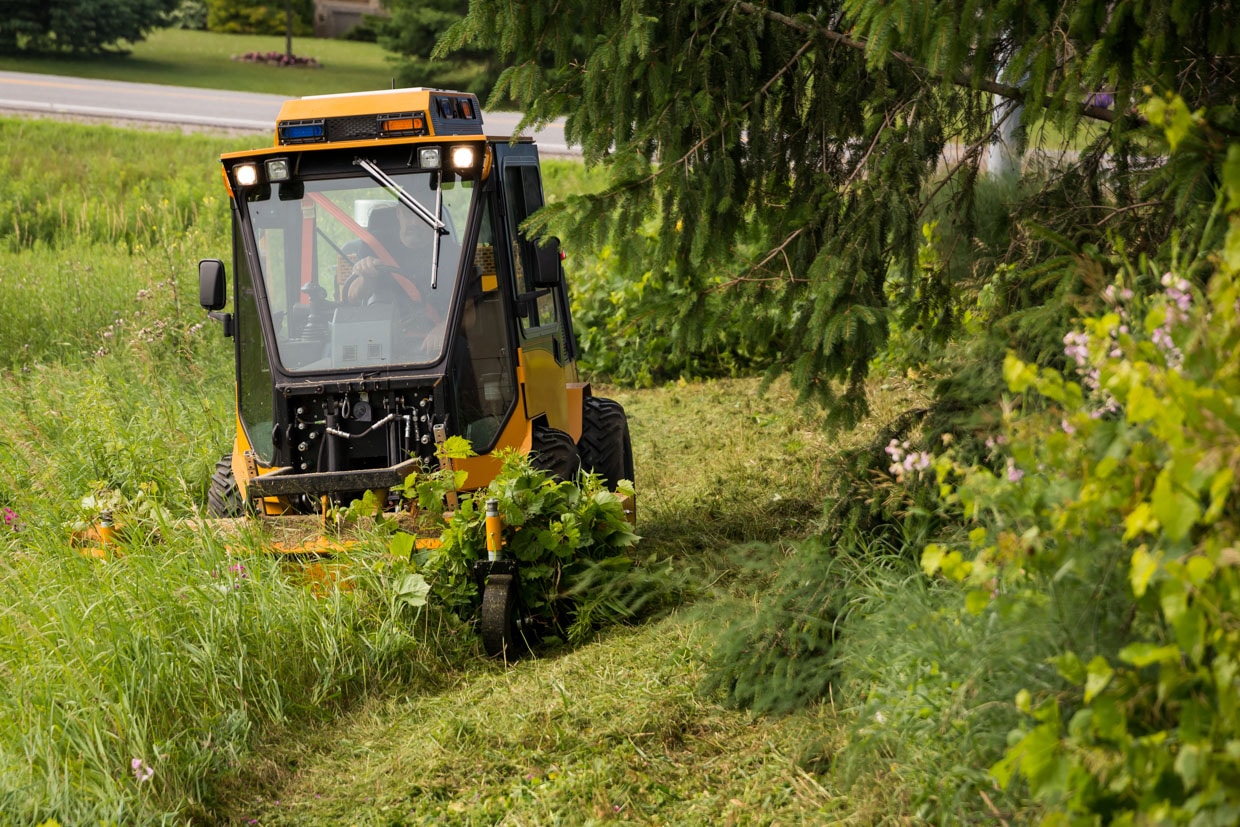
(246, 175)
(462, 157)
(428, 157)
(277, 169)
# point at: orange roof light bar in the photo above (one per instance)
(382, 115)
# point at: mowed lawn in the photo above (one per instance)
(181, 57)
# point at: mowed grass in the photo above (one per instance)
(618, 730)
(182, 57)
(613, 732)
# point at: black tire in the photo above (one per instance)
(223, 497)
(554, 451)
(605, 446)
(500, 636)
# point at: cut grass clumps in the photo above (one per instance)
(610, 733)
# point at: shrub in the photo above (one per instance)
(552, 528)
(1118, 495)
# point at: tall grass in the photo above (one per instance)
(180, 650)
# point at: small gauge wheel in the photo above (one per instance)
(500, 636)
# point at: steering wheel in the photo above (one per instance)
(403, 282)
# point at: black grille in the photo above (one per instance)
(357, 128)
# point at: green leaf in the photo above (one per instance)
(1199, 570)
(1231, 177)
(1143, 403)
(401, 545)
(932, 558)
(456, 447)
(412, 590)
(976, 601)
(1188, 764)
(1143, 567)
(1175, 510)
(1190, 632)
(1220, 489)
(1099, 675)
(1145, 654)
(1018, 375)
(1069, 666)
(1140, 520)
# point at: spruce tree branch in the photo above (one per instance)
(777, 252)
(684, 159)
(963, 78)
(1114, 212)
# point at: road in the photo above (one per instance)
(188, 107)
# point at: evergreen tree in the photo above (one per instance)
(412, 32)
(793, 151)
(83, 26)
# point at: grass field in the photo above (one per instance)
(182, 57)
(192, 679)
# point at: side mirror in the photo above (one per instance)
(548, 274)
(211, 284)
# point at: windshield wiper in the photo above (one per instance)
(432, 219)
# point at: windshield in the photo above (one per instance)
(348, 270)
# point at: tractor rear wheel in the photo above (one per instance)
(554, 451)
(500, 636)
(224, 497)
(605, 446)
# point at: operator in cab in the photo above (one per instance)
(422, 309)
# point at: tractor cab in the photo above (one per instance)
(385, 298)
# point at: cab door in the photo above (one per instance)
(545, 346)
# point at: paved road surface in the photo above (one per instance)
(195, 108)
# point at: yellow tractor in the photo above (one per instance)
(386, 298)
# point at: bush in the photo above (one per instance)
(250, 17)
(552, 527)
(1118, 495)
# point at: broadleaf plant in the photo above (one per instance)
(1121, 497)
(550, 526)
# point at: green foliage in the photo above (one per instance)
(627, 328)
(780, 655)
(551, 528)
(79, 26)
(1124, 483)
(786, 153)
(256, 17)
(189, 14)
(411, 32)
